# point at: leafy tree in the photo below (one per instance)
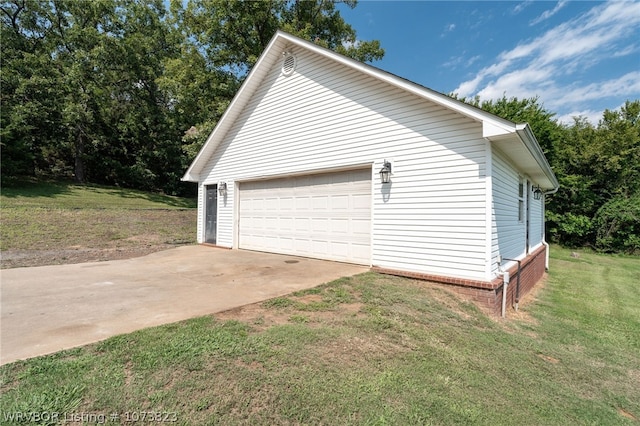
(616, 152)
(80, 92)
(30, 91)
(548, 131)
(233, 34)
(122, 92)
(571, 209)
(617, 225)
(599, 172)
(598, 168)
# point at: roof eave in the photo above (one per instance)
(190, 177)
(531, 143)
(193, 172)
(493, 127)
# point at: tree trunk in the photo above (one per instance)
(79, 167)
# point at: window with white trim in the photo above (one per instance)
(521, 186)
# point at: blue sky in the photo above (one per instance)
(578, 57)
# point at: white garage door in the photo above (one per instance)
(325, 216)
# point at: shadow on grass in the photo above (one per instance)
(51, 189)
(185, 203)
(12, 188)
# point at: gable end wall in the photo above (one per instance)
(432, 217)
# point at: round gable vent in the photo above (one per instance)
(288, 64)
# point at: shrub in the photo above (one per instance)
(568, 229)
(617, 225)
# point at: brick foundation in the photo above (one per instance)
(488, 294)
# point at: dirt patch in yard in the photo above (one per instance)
(26, 258)
(627, 414)
(261, 317)
(57, 236)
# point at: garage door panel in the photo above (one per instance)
(319, 224)
(271, 223)
(361, 250)
(286, 204)
(320, 203)
(361, 227)
(340, 226)
(303, 225)
(271, 204)
(340, 203)
(286, 243)
(361, 202)
(285, 223)
(326, 216)
(340, 249)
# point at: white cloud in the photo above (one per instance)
(447, 29)
(540, 66)
(472, 60)
(455, 61)
(549, 13)
(591, 116)
(370, 19)
(621, 86)
(625, 51)
(521, 6)
(525, 79)
(468, 88)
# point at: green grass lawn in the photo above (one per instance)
(61, 195)
(56, 216)
(371, 349)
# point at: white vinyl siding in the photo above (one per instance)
(508, 232)
(431, 217)
(536, 230)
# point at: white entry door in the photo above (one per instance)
(324, 216)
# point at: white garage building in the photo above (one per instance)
(294, 167)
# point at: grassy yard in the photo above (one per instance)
(48, 223)
(371, 349)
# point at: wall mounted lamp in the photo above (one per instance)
(222, 188)
(537, 192)
(385, 172)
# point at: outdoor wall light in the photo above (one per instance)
(537, 192)
(385, 172)
(222, 188)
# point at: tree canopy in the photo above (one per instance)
(124, 91)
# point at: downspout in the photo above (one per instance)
(517, 283)
(506, 274)
(505, 286)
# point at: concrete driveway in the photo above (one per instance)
(49, 308)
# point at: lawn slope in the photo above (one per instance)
(51, 223)
(370, 349)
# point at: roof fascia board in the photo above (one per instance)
(492, 126)
(495, 125)
(193, 172)
(531, 143)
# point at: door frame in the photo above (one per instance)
(207, 204)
